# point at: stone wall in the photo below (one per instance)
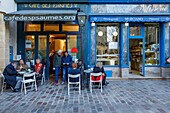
(4, 43)
(165, 72)
(153, 71)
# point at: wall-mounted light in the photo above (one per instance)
(126, 24)
(82, 18)
(93, 24)
(100, 33)
(169, 23)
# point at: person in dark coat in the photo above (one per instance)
(66, 62)
(11, 77)
(57, 65)
(99, 68)
(74, 70)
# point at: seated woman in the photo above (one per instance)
(21, 66)
(38, 70)
(74, 71)
(97, 69)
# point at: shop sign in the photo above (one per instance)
(47, 6)
(130, 19)
(40, 18)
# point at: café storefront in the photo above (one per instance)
(126, 36)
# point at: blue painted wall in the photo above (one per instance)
(96, 1)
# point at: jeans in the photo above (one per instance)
(57, 71)
(18, 84)
(65, 72)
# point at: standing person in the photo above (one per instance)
(66, 61)
(38, 70)
(57, 65)
(10, 74)
(21, 65)
(99, 68)
(51, 57)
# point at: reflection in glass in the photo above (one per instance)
(135, 31)
(42, 44)
(108, 44)
(70, 27)
(51, 27)
(32, 27)
(29, 46)
(73, 41)
(152, 44)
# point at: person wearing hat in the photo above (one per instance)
(57, 65)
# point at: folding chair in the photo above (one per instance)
(69, 83)
(28, 78)
(92, 75)
(43, 76)
(3, 83)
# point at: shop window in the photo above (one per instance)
(51, 27)
(70, 27)
(32, 27)
(152, 44)
(73, 43)
(108, 44)
(30, 46)
(42, 45)
(135, 31)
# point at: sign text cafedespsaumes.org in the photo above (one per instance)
(39, 18)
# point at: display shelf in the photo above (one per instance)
(106, 55)
(151, 58)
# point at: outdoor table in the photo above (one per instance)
(87, 76)
(21, 73)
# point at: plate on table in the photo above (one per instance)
(22, 72)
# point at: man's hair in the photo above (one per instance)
(13, 62)
(74, 65)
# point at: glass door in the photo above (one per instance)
(36, 47)
(74, 47)
(137, 48)
(30, 49)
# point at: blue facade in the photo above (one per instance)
(106, 11)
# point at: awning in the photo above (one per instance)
(41, 15)
(130, 18)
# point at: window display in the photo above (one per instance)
(108, 44)
(152, 44)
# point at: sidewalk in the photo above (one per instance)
(120, 96)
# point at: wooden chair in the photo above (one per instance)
(28, 78)
(69, 83)
(43, 76)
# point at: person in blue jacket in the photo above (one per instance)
(66, 62)
(74, 70)
(10, 74)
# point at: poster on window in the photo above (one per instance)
(28, 44)
(110, 31)
(113, 45)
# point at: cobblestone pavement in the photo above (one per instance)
(120, 96)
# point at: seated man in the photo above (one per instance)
(38, 70)
(11, 77)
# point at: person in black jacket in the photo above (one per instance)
(99, 68)
(11, 77)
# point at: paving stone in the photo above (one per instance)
(120, 96)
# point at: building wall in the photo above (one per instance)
(7, 33)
